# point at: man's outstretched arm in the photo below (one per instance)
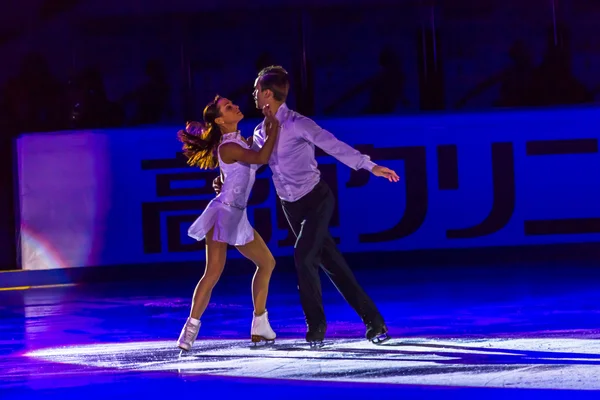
(345, 153)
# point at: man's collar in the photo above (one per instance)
(283, 108)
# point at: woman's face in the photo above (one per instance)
(229, 112)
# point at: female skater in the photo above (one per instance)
(218, 143)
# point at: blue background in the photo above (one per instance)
(546, 187)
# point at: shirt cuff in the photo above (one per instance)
(368, 165)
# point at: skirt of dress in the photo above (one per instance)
(231, 225)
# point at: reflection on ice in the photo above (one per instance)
(523, 363)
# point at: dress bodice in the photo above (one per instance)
(238, 177)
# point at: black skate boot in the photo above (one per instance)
(377, 334)
(315, 336)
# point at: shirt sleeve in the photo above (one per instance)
(327, 142)
(257, 140)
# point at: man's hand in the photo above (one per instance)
(384, 172)
(217, 184)
(271, 123)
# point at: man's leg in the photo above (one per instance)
(343, 278)
(309, 219)
(340, 274)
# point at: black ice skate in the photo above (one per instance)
(377, 334)
(315, 337)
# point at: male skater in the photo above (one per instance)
(308, 204)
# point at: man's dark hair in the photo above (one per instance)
(275, 78)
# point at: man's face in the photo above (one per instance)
(261, 97)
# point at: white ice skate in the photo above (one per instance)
(188, 335)
(261, 329)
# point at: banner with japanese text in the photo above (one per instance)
(126, 196)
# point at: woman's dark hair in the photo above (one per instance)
(200, 141)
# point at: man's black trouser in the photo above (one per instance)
(309, 219)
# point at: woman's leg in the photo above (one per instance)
(258, 252)
(216, 254)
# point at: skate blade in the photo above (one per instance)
(257, 340)
(380, 339)
(183, 350)
(316, 344)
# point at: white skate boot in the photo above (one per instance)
(188, 335)
(261, 329)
